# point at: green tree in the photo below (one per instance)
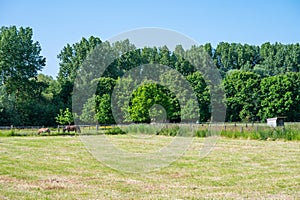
(148, 95)
(180, 93)
(202, 93)
(49, 87)
(150, 55)
(209, 49)
(6, 108)
(165, 57)
(184, 67)
(89, 111)
(280, 97)
(248, 56)
(121, 98)
(292, 58)
(64, 117)
(105, 85)
(103, 110)
(278, 59)
(294, 114)
(71, 59)
(242, 95)
(126, 57)
(128, 61)
(231, 56)
(20, 59)
(225, 56)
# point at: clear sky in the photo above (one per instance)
(58, 22)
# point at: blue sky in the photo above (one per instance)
(56, 23)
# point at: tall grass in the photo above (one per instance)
(264, 133)
(255, 132)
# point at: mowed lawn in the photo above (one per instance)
(60, 167)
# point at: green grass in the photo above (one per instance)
(60, 167)
(263, 133)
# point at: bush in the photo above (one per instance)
(114, 131)
(169, 131)
(291, 134)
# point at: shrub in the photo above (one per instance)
(169, 131)
(290, 134)
(114, 131)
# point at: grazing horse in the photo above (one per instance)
(72, 128)
(43, 130)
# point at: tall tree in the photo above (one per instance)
(242, 95)
(20, 59)
(280, 97)
(7, 103)
(150, 55)
(126, 57)
(202, 93)
(71, 59)
(225, 56)
(88, 115)
(103, 111)
(165, 57)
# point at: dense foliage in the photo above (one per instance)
(259, 82)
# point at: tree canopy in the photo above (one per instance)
(259, 81)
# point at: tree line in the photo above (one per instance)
(259, 82)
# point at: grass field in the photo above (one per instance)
(60, 167)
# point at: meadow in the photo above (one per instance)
(60, 167)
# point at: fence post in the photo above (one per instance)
(58, 128)
(241, 129)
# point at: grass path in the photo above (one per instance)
(61, 168)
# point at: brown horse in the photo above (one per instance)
(43, 130)
(72, 128)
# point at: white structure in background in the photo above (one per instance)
(276, 121)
